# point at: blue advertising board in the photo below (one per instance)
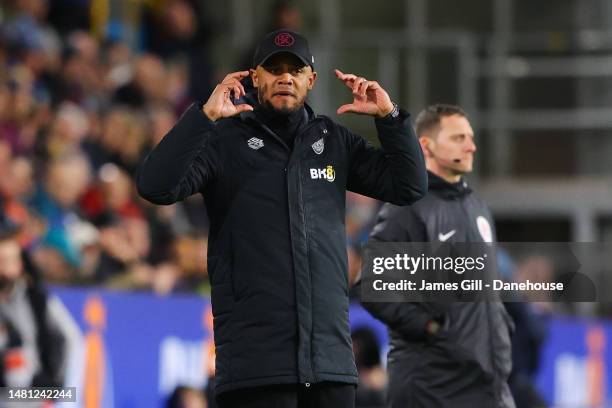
(135, 348)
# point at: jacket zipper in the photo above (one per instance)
(309, 274)
(299, 186)
(491, 328)
(276, 137)
(298, 139)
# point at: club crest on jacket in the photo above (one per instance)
(318, 146)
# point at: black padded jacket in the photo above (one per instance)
(277, 256)
(468, 362)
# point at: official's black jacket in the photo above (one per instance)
(468, 362)
(277, 242)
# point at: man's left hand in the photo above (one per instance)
(369, 98)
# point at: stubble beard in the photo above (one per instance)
(284, 110)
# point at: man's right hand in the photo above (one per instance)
(220, 105)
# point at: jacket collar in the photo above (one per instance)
(448, 190)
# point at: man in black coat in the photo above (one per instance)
(445, 355)
(274, 177)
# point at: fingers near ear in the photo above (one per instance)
(244, 107)
(346, 78)
(366, 85)
(358, 86)
(239, 75)
(241, 87)
(345, 108)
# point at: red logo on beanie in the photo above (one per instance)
(284, 40)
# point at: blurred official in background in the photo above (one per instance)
(459, 354)
(274, 177)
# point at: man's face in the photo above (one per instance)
(10, 261)
(450, 149)
(283, 82)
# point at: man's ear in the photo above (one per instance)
(311, 80)
(426, 144)
(254, 77)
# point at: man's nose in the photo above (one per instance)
(285, 78)
(471, 146)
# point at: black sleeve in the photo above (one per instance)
(395, 172)
(182, 163)
(401, 224)
(398, 224)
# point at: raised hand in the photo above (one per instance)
(219, 104)
(369, 98)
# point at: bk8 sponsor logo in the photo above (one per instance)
(326, 173)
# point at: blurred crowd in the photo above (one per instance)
(78, 112)
(79, 109)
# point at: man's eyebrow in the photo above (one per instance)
(462, 134)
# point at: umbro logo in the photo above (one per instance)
(255, 143)
(445, 237)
